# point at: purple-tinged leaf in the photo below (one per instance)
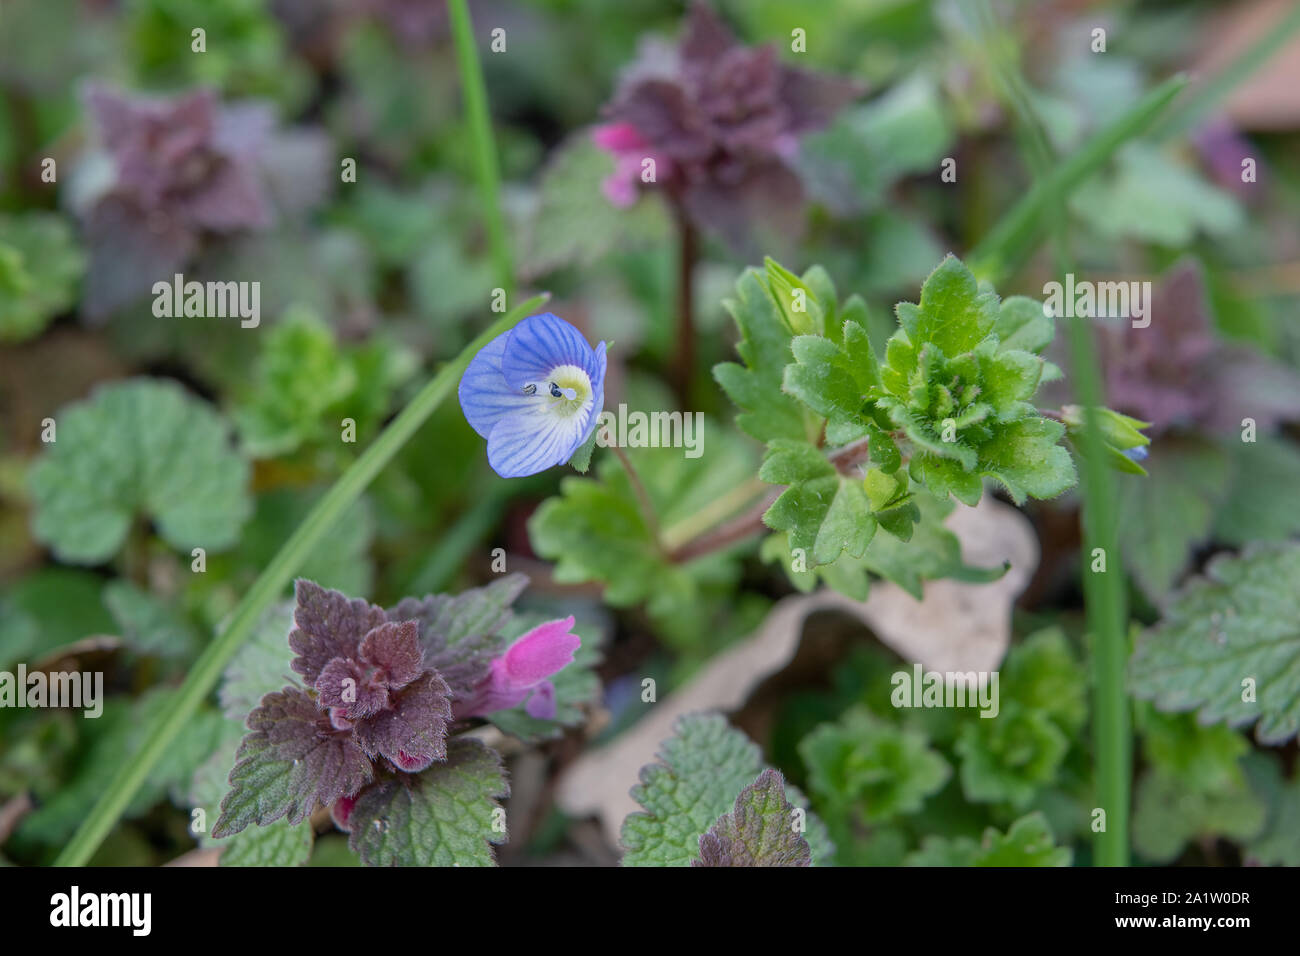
(1178, 374)
(413, 732)
(762, 830)
(459, 633)
(722, 122)
(327, 625)
(291, 760)
(344, 684)
(395, 649)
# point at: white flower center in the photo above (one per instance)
(565, 392)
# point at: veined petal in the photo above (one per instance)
(485, 395)
(539, 344)
(530, 441)
(595, 369)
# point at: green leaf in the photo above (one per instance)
(280, 844)
(1027, 459)
(40, 266)
(581, 459)
(822, 379)
(963, 398)
(305, 384)
(50, 609)
(277, 844)
(1233, 629)
(1119, 434)
(448, 815)
(1010, 757)
(140, 446)
(595, 529)
(764, 347)
(931, 552)
(762, 830)
(954, 314)
(299, 374)
(1261, 503)
(111, 740)
(825, 513)
(1278, 844)
(1044, 673)
(862, 765)
(147, 624)
(1153, 199)
(1202, 758)
(905, 130)
(1166, 514)
(1029, 842)
(1167, 815)
(261, 666)
(1023, 324)
(574, 223)
(701, 769)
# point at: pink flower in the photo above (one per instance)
(522, 672)
(630, 150)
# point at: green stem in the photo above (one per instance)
(642, 495)
(474, 91)
(268, 587)
(724, 506)
(1104, 591)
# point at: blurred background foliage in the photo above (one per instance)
(367, 284)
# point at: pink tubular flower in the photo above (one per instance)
(522, 672)
(630, 150)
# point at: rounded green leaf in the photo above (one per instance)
(140, 447)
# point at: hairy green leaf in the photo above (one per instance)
(447, 815)
(701, 770)
(1229, 645)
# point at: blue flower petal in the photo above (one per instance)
(595, 369)
(538, 345)
(485, 395)
(527, 442)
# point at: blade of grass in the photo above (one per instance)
(474, 91)
(1105, 598)
(269, 585)
(1012, 238)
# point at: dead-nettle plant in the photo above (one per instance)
(376, 728)
(862, 454)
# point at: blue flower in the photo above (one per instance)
(534, 393)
